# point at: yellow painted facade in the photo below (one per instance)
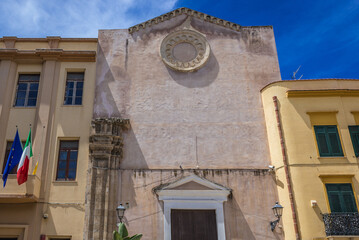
(302, 105)
(44, 206)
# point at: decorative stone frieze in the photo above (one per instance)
(185, 50)
(102, 181)
(188, 12)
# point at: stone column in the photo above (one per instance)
(102, 178)
(7, 85)
(45, 110)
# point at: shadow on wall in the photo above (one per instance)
(237, 227)
(126, 193)
(105, 105)
(133, 157)
(198, 79)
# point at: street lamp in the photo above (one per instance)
(120, 212)
(277, 210)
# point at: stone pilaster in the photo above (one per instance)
(102, 181)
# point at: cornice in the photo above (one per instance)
(277, 83)
(336, 175)
(188, 12)
(323, 93)
(5, 38)
(48, 54)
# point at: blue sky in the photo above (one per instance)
(321, 36)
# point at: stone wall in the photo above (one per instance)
(219, 106)
(247, 211)
(208, 121)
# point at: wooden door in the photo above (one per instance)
(193, 224)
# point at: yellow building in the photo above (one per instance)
(312, 128)
(47, 83)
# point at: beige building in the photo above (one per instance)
(179, 132)
(48, 83)
(317, 162)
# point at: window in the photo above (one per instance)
(341, 197)
(354, 134)
(27, 88)
(7, 152)
(66, 167)
(74, 88)
(328, 141)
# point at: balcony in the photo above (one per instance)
(341, 224)
(26, 192)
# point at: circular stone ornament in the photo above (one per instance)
(185, 50)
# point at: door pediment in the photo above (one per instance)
(192, 187)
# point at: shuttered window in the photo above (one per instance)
(354, 134)
(328, 141)
(341, 197)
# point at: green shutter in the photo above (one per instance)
(354, 134)
(341, 197)
(328, 141)
(322, 141)
(334, 141)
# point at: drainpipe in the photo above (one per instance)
(286, 169)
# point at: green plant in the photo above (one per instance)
(122, 234)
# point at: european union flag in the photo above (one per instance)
(14, 157)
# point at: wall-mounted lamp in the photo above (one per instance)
(271, 168)
(277, 210)
(120, 212)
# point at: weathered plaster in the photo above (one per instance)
(219, 105)
(210, 120)
(247, 211)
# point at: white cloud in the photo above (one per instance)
(75, 18)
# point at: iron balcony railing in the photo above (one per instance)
(341, 224)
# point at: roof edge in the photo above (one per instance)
(46, 39)
(309, 80)
(188, 12)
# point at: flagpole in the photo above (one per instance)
(39, 156)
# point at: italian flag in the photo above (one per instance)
(23, 168)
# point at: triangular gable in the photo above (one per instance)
(192, 187)
(188, 12)
(197, 180)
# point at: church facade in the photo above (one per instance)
(178, 130)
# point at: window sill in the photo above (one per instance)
(72, 182)
(344, 158)
(32, 107)
(63, 105)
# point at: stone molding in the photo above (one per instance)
(188, 12)
(323, 93)
(9, 42)
(47, 54)
(47, 39)
(102, 178)
(106, 137)
(194, 38)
